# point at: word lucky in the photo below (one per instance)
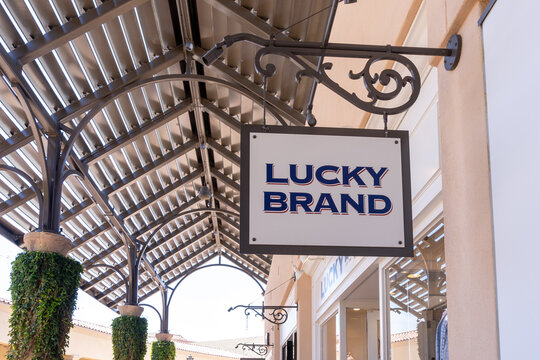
(328, 175)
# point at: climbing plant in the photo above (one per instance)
(163, 350)
(44, 291)
(129, 337)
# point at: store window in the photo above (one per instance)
(330, 336)
(288, 351)
(416, 289)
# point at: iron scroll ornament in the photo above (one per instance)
(384, 78)
(259, 349)
(374, 54)
(278, 314)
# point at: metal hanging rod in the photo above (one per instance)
(278, 314)
(374, 82)
(316, 48)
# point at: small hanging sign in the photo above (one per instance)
(325, 191)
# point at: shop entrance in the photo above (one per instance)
(362, 324)
(353, 332)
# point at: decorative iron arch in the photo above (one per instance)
(191, 271)
(166, 297)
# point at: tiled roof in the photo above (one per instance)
(405, 336)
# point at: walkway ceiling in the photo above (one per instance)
(147, 153)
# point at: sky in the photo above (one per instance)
(198, 309)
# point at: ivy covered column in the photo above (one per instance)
(44, 285)
(129, 332)
(164, 348)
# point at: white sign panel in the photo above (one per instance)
(322, 191)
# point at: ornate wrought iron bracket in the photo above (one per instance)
(277, 314)
(259, 349)
(374, 82)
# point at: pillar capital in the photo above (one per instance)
(130, 310)
(47, 242)
(164, 337)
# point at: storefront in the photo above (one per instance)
(475, 241)
(369, 308)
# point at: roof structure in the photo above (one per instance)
(163, 125)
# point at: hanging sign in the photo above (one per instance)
(325, 191)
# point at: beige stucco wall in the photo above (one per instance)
(278, 288)
(360, 23)
(407, 350)
(466, 185)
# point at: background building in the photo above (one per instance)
(93, 342)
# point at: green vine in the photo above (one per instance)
(44, 291)
(129, 337)
(163, 350)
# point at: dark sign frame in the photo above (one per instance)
(248, 248)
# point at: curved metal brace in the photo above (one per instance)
(35, 130)
(191, 271)
(156, 310)
(26, 177)
(122, 276)
(155, 80)
(70, 172)
(182, 213)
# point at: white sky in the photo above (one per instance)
(198, 310)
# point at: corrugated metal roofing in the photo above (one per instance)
(147, 151)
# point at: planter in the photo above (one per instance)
(47, 242)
